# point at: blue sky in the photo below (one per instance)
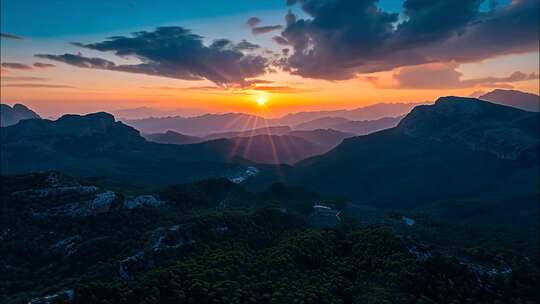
(53, 18)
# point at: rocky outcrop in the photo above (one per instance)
(244, 175)
(142, 200)
(66, 296)
(101, 203)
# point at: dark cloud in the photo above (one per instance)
(23, 78)
(434, 20)
(16, 66)
(246, 45)
(342, 38)
(80, 61)
(281, 89)
(265, 29)
(440, 76)
(10, 36)
(257, 30)
(37, 86)
(174, 52)
(280, 40)
(200, 88)
(253, 21)
(41, 65)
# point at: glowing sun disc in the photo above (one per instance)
(261, 101)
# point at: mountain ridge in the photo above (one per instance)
(449, 158)
(521, 100)
(12, 115)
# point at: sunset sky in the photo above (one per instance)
(268, 57)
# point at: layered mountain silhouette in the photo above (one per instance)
(273, 145)
(327, 139)
(513, 98)
(361, 127)
(97, 145)
(199, 125)
(458, 147)
(147, 112)
(372, 112)
(276, 130)
(12, 115)
(171, 137)
(275, 149)
(205, 125)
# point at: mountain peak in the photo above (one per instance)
(521, 100)
(478, 124)
(103, 117)
(12, 115)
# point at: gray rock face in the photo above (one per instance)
(101, 203)
(243, 176)
(323, 216)
(61, 297)
(67, 245)
(55, 186)
(142, 200)
(52, 192)
(131, 264)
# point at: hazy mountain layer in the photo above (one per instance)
(12, 115)
(512, 98)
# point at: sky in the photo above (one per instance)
(267, 57)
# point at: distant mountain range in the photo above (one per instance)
(273, 145)
(277, 130)
(171, 137)
(512, 98)
(199, 125)
(361, 127)
(359, 121)
(12, 115)
(354, 121)
(147, 112)
(458, 147)
(466, 146)
(372, 112)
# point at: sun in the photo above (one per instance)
(261, 100)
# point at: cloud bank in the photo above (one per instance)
(442, 76)
(174, 52)
(343, 38)
(10, 36)
(16, 66)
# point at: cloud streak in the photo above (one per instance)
(37, 86)
(10, 36)
(253, 21)
(265, 29)
(23, 78)
(436, 76)
(41, 65)
(16, 66)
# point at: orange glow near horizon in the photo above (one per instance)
(87, 90)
